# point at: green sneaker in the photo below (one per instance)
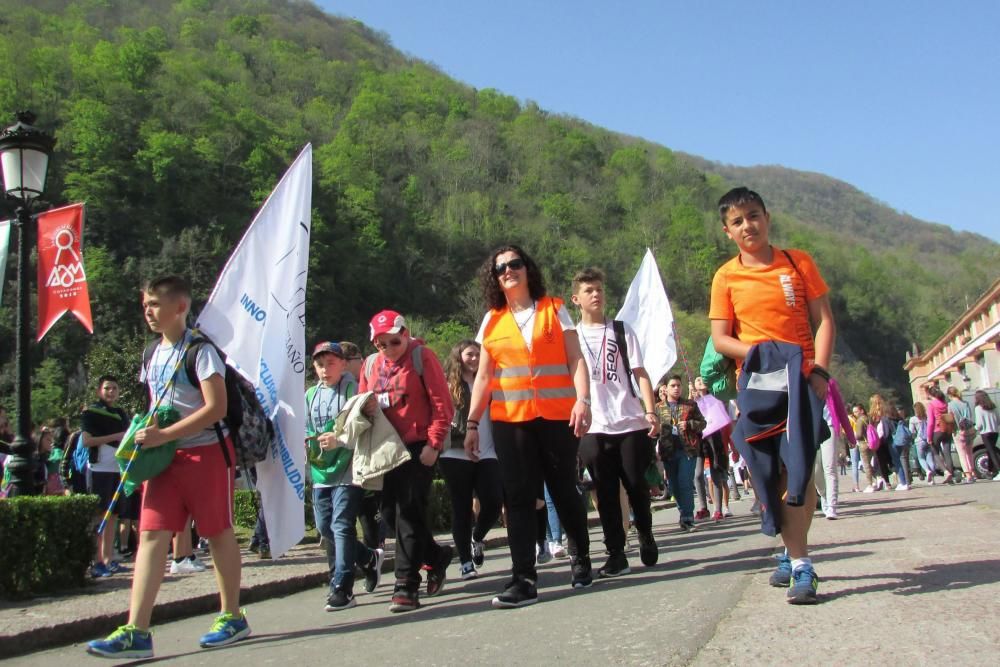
(227, 629)
(127, 641)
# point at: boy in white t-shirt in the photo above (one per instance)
(617, 449)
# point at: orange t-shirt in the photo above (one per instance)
(769, 302)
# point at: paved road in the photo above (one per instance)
(908, 577)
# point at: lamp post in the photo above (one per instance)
(24, 156)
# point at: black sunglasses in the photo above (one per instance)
(514, 265)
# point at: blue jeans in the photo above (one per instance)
(680, 471)
(856, 466)
(901, 461)
(336, 509)
(554, 531)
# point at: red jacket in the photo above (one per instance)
(415, 412)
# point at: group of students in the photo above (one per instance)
(519, 405)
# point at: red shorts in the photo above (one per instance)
(197, 483)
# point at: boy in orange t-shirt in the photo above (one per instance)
(769, 294)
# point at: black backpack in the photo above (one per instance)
(249, 427)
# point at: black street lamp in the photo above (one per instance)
(24, 155)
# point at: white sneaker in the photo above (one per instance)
(997, 478)
(903, 487)
(557, 550)
(869, 489)
(831, 513)
(186, 566)
(542, 553)
(726, 512)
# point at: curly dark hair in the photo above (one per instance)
(495, 298)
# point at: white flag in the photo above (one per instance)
(4, 249)
(647, 311)
(256, 314)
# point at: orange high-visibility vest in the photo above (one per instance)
(528, 384)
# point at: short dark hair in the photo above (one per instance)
(172, 287)
(351, 351)
(491, 286)
(106, 378)
(589, 275)
(740, 196)
(675, 376)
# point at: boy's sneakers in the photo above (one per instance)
(373, 571)
(649, 553)
(478, 555)
(227, 629)
(701, 514)
(583, 575)
(100, 571)
(782, 576)
(127, 642)
(404, 599)
(264, 552)
(187, 565)
(518, 593)
(469, 571)
(616, 566)
(340, 599)
(687, 525)
(439, 573)
(542, 553)
(803, 586)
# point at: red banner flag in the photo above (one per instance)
(62, 283)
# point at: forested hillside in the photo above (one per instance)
(175, 118)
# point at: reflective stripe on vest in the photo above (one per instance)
(528, 384)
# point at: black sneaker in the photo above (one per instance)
(648, 551)
(340, 599)
(478, 557)
(373, 571)
(518, 593)
(616, 566)
(439, 573)
(583, 576)
(404, 599)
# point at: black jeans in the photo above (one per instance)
(613, 460)
(990, 442)
(885, 465)
(463, 478)
(530, 453)
(942, 444)
(404, 505)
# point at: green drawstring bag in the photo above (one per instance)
(151, 462)
(718, 372)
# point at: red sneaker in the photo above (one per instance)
(701, 514)
(717, 516)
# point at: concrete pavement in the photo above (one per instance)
(909, 576)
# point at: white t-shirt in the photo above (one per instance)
(106, 461)
(486, 448)
(526, 323)
(183, 395)
(614, 409)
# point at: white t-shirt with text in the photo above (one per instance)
(614, 409)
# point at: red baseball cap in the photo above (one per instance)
(386, 322)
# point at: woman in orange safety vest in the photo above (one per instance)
(534, 379)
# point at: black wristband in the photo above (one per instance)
(471, 428)
(472, 421)
(820, 371)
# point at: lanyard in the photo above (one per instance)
(598, 372)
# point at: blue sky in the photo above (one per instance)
(900, 99)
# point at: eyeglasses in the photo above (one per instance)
(392, 342)
(514, 265)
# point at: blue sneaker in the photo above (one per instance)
(100, 571)
(127, 641)
(804, 585)
(114, 566)
(226, 630)
(782, 577)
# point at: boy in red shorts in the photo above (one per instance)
(768, 302)
(197, 483)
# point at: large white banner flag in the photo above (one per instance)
(4, 249)
(256, 314)
(647, 311)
